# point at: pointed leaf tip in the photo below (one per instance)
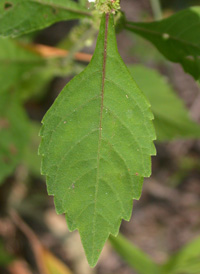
(97, 142)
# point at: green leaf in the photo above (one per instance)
(52, 264)
(96, 145)
(18, 17)
(14, 133)
(15, 62)
(83, 2)
(36, 83)
(172, 120)
(177, 38)
(5, 257)
(135, 257)
(185, 261)
(31, 160)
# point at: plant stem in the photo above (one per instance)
(157, 10)
(80, 43)
(52, 52)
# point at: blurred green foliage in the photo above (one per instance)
(25, 79)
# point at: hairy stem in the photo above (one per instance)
(80, 43)
(157, 10)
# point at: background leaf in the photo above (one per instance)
(177, 38)
(135, 257)
(31, 160)
(53, 264)
(14, 133)
(186, 260)
(171, 116)
(5, 257)
(96, 145)
(16, 61)
(18, 17)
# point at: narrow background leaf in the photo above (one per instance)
(135, 257)
(172, 119)
(14, 133)
(186, 260)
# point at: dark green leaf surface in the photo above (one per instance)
(96, 145)
(177, 38)
(18, 17)
(14, 132)
(172, 120)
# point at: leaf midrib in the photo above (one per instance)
(100, 124)
(129, 26)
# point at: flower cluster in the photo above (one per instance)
(107, 6)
